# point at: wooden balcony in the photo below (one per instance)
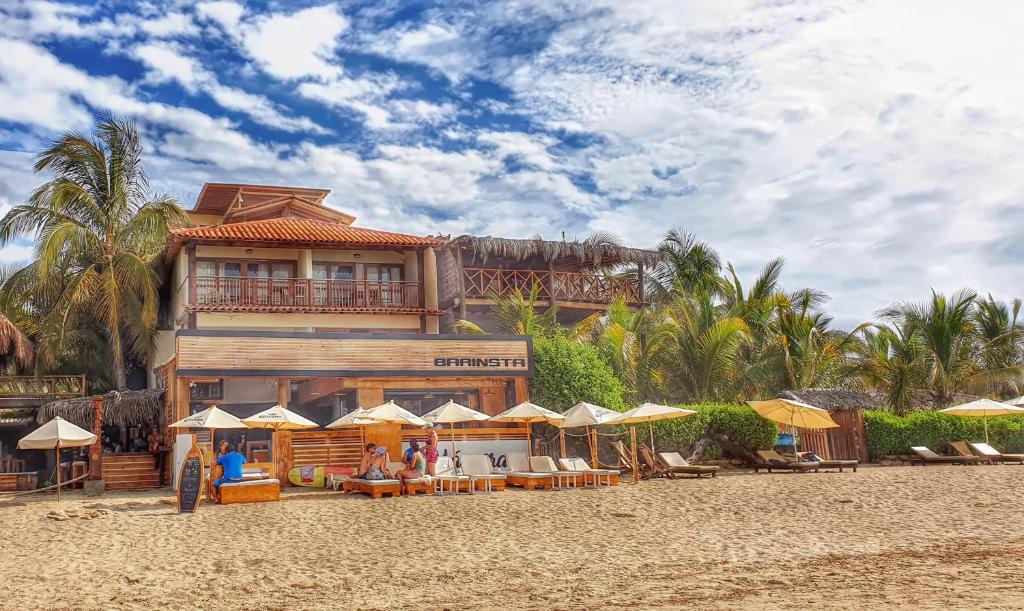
(213, 293)
(43, 387)
(566, 288)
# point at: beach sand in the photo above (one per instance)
(921, 537)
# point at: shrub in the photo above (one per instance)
(889, 434)
(568, 372)
(737, 422)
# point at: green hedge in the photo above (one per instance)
(737, 422)
(889, 434)
(568, 372)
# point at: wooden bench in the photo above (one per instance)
(249, 490)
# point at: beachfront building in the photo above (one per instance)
(270, 296)
(579, 278)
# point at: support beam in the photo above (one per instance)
(461, 275)
(282, 392)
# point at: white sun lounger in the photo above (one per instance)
(563, 479)
(478, 468)
(595, 475)
(521, 475)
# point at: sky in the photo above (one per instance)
(875, 144)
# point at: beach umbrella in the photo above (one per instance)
(393, 412)
(450, 413)
(1018, 401)
(527, 413)
(211, 418)
(54, 435)
(278, 418)
(649, 412)
(983, 408)
(795, 414)
(586, 415)
(353, 418)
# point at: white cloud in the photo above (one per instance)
(227, 14)
(171, 24)
(300, 45)
(437, 46)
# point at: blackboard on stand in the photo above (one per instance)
(190, 481)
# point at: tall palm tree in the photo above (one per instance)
(1001, 333)
(688, 265)
(99, 232)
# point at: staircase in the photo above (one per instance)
(129, 472)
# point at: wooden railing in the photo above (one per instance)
(306, 293)
(566, 286)
(44, 387)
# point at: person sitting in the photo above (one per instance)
(139, 444)
(366, 459)
(232, 463)
(378, 466)
(415, 463)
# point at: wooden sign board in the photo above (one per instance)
(190, 481)
(276, 353)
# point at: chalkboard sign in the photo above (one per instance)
(190, 481)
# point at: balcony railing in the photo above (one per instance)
(44, 387)
(287, 293)
(567, 286)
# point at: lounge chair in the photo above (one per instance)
(478, 468)
(562, 478)
(927, 457)
(520, 474)
(598, 477)
(995, 455)
(410, 487)
(675, 460)
(832, 463)
(772, 460)
(659, 468)
(447, 477)
(627, 458)
(373, 488)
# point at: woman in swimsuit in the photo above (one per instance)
(415, 464)
(378, 468)
(430, 450)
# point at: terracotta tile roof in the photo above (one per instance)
(308, 231)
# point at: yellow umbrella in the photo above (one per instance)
(278, 418)
(450, 413)
(983, 408)
(56, 434)
(795, 414)
(527, 413)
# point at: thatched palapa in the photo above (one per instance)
(839, 399)
(599, 250)
(119, 408)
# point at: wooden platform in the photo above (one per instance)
(530, 483)
(10, 482)
(413, 488)
(376, 491)
(250, 492)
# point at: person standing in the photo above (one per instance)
(430, 450)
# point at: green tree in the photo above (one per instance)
(893, 359)
(99, 232)
(688, 265)
(568, 372)
(516, 314)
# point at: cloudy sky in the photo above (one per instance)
(877, 145)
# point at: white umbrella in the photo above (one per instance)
(353, 418)
(212, 418)
(278, 418)
(1017, 401)
(527, 413)
(586, 415)
(983, 408)
(649, 412)
(56, 434)
(450, 413)
(393, 412)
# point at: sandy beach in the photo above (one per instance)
(922, 537)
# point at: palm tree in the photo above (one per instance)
(515, 314)
(688, 265)
(1001, 333)
(99, 232)
(894, 359)
(703, 349)
(632, 343)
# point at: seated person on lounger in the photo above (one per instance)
(378, 466)
(415, 463)
(364, 462)
(232, 463)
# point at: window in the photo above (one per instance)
(207, 391)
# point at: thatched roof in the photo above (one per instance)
(836, 399)
(126, 407)
(597, 251)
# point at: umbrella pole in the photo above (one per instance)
(650, 427)
(529, 448)
(986, 429)
(453, 446)
(213, 461)
(592, 444)
(57, 450)
(561, 441)
(636, 466)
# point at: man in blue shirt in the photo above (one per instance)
(232, 463)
